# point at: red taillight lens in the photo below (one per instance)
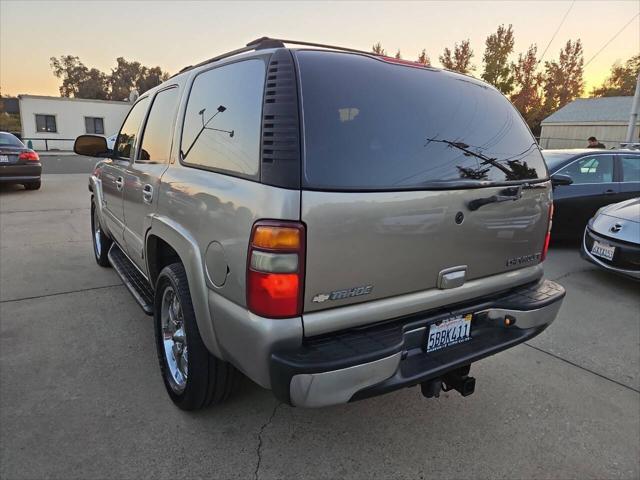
(275, 269)
(547, 237)
(30, 155)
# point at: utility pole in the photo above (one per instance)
(633, 116)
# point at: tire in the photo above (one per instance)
(194, 378)
(101, 243)
(33, 185)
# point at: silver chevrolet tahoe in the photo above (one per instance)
(332, 223)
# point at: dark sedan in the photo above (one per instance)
(18, 164)
(585, 180)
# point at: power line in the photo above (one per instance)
(557, 30)
(611, 39)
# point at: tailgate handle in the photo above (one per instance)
(452, 277)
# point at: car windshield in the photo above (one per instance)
(9, 140)
(555, 159)
(374, 125)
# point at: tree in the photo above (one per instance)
(563, 79)
(77, 80)
(497, 70)
(81, 82)
(622, 80)
(377, 49)
(424, 58)
(460, 59)
(398, 55)
(526, 96)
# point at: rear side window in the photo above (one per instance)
(630, 168)
(127, 136)
(222, 123)
(593, 169)
(369, 124)
(156, 139)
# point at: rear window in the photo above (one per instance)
(8, 140)
(370, 124)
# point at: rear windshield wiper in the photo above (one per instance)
(508, 194)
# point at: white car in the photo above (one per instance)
(612, 238)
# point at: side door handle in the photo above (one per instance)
(119, 183)
(609, 191)
(147, 193)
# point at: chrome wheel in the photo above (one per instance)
(97, 232)
(174, 339)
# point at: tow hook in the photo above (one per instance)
(458, 380)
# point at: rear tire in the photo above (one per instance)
(101, 243)
(194, 378)
(33, 185)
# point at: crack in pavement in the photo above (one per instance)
(557, 357)
(61, 293)
(568, 274)
(259, 448)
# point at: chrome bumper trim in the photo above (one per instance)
(338, 386)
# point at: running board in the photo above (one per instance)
(132, 278)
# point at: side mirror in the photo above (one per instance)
(561, 179)
(91, 146)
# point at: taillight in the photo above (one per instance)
(29, 155)
(547, 237)
(275, 269)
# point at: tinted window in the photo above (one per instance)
(126, 140)
(156, 139)
(6, 139)
(94, 125)
(554, 159)
(46, 123)
(631, 168)
(593, 169)
(375, 125)
(222, 122)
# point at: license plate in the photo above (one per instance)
(451, 331)
(603, 250)
(4, 158)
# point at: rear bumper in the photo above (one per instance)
(20, 172)
(361, 363)
(626, 260)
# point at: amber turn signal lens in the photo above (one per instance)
(277, 238)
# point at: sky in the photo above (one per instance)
(174, 34)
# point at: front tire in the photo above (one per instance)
(192, 376)
(101, 243)
(33, 185)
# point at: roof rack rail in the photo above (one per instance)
(266, 42)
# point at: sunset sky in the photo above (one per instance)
(175, 34)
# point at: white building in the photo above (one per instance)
(53, 123)
(605, 118)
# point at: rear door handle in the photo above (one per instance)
(119, 183)
(609, 192)
(147, 193)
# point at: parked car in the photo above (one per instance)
(19, 164)
(612, 238)
(585, 180)
(267, 214)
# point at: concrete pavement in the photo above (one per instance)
(81, 394)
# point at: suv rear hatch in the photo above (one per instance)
(394, 158)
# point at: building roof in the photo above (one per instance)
(604, 109)
(67, 99)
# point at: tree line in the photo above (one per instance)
(535, 90)
(79, 81)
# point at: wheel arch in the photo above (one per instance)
(168, 242)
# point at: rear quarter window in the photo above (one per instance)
(221, 128)
(370, 124)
